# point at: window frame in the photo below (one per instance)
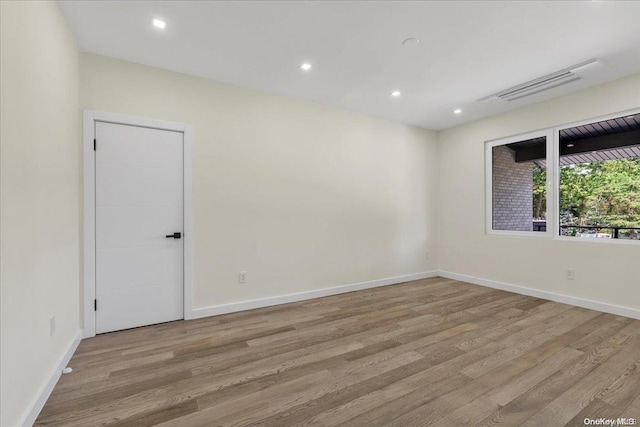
(488, 154)
(553, 181)
(556, 183)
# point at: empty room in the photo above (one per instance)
(327, 213)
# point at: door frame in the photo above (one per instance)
(89, 209)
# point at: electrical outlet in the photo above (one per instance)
(569, 274)
(242, 277)
(52, 325)
(426, 255)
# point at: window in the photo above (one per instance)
(599, 180)
(517, 185)
(574, 182)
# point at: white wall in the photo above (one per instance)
(607, 273)
(299, 195)
(39, 199)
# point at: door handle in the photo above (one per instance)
(173, 236)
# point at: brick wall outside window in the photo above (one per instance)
(512, 192)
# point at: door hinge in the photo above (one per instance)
(94, 144)
(95, 305)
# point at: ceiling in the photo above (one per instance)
(466, 50)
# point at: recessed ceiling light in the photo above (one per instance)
(305, 66)
(159, 23)
(396, 93)
(411, 41)
(457, 111)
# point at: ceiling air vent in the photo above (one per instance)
(540, 84)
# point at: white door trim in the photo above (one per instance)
(89, 208)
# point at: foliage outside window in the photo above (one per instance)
(601, 194)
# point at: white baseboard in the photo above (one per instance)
(565, 299)
(45, 391)
(301, 296)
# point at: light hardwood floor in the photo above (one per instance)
(429, 352)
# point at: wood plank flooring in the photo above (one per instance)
(429, 352)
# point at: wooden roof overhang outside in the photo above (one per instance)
(605, 140)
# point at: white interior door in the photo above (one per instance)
(139, 203)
